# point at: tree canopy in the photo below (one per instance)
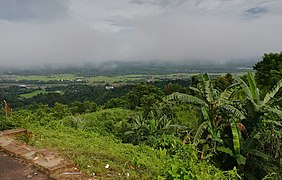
(269, 70)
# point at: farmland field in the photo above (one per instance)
(131, 78)
(45, 78)
(36, 92)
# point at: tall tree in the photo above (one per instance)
(269, 71)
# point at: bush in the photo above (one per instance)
(186, 165)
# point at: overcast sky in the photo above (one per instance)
(73, 31)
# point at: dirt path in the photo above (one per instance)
(12, 168)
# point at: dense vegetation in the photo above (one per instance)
(226, 127)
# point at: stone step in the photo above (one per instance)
(49, 162)
(12, 132)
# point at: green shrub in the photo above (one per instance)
(186, 165)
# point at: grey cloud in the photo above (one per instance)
(162, 3)
(235, 8)
(179, 37)
(212, 30)
(256, 11)
(24, 44)
(33, 10)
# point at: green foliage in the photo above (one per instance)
(255, 105)
(81, 138)
(34, 93)
(171, 88)
(91, 152)
(83, 107)
(116, 103)
(186, 115)
(223, 135)
(269, 71)
(233, 126)
(186, 165)
(263, 121)
(6, 123)
(145, 130)
(214, 108)
(104, 122)
(223, 82)
(144, 95)
(241, 160)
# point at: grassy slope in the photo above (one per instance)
(91, 152)
(89, 147)
(85, 143)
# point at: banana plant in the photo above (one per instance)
(216, 110)
(256, 105)
(261, 111)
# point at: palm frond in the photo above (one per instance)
(194, 89)
(272, 93)
(236, 112)
(277, 123)
(253, 86)
(209, 91)
(205, 113)
(227, 93)
(236, 144)
(200, 132)
(249, 143)
(225, 150)
(275, 111)
(185, 98)
(247, 91)
(258, 153)
(129, 132)
(245, 87)
(175, 126)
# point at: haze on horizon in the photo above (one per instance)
(38, 32)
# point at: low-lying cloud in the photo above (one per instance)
(61, 31)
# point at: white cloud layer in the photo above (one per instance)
(77, 31)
